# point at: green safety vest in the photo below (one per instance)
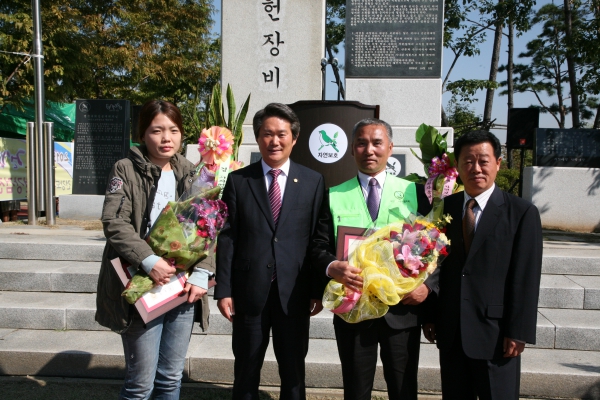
(349, 208)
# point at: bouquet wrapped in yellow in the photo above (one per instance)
(394, 260)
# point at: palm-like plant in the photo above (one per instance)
(215, 115)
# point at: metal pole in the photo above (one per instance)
(49, 173)
(31, 194)
(323, 75)
(39, 102)
(521, 169)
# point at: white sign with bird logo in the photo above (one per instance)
(328, 143)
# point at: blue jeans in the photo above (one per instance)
(155, 354)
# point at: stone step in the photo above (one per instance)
(556, 291)
(23, 242)
(545, 373)
(44, 310)
(571, 258)
(321, 325)
(574, 329)
(49, 276)
(556, 328)
(76, 244)
(75, 311)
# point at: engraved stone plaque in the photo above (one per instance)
(567, 148)
(101, 139)
(394, 38)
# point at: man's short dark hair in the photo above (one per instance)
(373, 121)
(477, 137)
(277, 110)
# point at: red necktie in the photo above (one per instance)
(275, 200)
(275, 195)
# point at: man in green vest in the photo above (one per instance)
(373, 199)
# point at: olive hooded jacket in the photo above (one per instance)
(129, 196)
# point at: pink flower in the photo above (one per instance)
(348, 302)
(411, 262)
(215, 144)
(408, 236)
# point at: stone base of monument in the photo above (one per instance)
(403, 102)
(80, 206)
(566, 197)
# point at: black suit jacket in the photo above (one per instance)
(323, 253)
(250, 245)
(492, 292)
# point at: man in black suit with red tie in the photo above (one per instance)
(264, 281)
(489, 284)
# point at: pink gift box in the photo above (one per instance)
(159, 299)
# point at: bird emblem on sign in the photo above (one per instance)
(327, 141)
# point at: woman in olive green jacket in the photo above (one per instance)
(139, 186)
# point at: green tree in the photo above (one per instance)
(546, 69)
(588, 39)
(461, 117)
(467, 23)
(108, 49)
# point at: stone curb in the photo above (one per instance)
(553, 373)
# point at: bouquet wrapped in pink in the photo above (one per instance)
(183, 234)
(395, 260)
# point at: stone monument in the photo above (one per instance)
(394, 60)
(564, 182)
(271, 49)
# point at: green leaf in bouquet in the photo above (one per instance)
(230, 106)
(216, 115)
(415, 154)
(415, 178)
(452, 158)
(428, 144)
(443, 143)
(236, 127)
(215, 109)
(137, 286)
(420, 132)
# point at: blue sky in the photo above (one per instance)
(466, 67)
